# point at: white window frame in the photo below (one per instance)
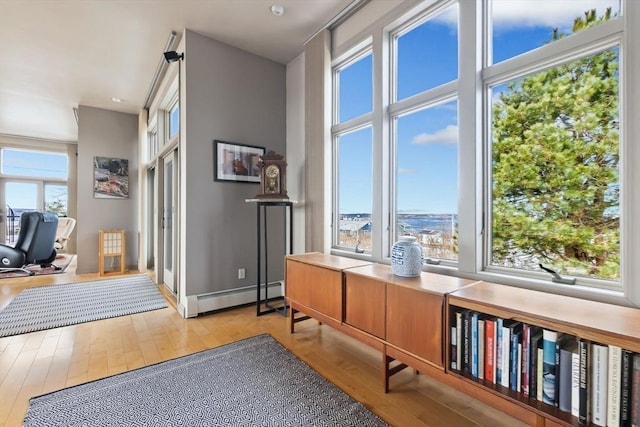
(173, 105)
(473, 122)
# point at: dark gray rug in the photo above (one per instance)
(252, 382)
(47, 307)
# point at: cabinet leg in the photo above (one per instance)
(389, 371)
(292, 323)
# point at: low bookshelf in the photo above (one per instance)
(536, 350)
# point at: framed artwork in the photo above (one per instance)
(236, 162)
(110, 178)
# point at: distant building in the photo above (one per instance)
(430, 237)
(354, 226)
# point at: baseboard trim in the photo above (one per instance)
(235, 297)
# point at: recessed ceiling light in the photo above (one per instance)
(277, 9)
(116, 100)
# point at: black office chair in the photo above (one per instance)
(35, 243)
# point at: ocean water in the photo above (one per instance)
(415, 223)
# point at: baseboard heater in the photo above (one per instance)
(234, 297)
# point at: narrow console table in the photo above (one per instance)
(263, 302)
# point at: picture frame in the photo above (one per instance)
(234, 162)
(110, 178)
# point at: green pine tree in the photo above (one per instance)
(555, 160)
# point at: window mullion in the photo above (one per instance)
(470, 156)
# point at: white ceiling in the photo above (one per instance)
(56, 55)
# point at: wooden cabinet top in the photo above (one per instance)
(427, 282)
(569, 314)
(332, 262)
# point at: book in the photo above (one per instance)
(599, 386)
(519, 368)
(515, 338)
(507, 327)
(549, 339)
(466, 341)
(474, 344)
(575, 382)
(453, 347)
(498, 359)
(539, 374)
(635, 391)
(613, 385)
(563, 370)
(481, 351)
(525, 365)
(535, 343)
(584, 351)
(625, 387)
(490, 350)
(459, 340)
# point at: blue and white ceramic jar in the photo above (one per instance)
(406, 257)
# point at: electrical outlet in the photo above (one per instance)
(241, 273)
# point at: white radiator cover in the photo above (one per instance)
(234, 297)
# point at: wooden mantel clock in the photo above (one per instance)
(273, 182)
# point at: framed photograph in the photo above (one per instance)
(110, 178)
(236, 162)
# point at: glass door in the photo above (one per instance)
(168, 216)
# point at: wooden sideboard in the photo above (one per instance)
(409, 320)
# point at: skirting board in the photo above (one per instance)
(228, 298)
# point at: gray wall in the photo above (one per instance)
(230, 95)
(105, 133)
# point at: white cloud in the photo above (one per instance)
(533, 13)
(448, 135)
(548, 13)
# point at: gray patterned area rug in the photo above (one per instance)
(47, 307)
(252, 382)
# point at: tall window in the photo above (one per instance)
(426, 133)
(174, 120)
(559, 129)
(353, 138)
(31, 180)
(497, 132)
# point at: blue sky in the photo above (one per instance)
(427, 140)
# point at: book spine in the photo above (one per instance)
(453, 348)
(490, 350)
(535, 344)
(525, 366)
(474, 345)
(575, 384)
(459, 340)
(559, 341)
(539, 374)
(506, 351)
(513, 362)
(498, 359)
(613, 384)
(518, 369)
(481, 351)
(585, 353)
(564, 381)
(549, 339)
(599, 365)
(466, 341)
(635, 391)
(625, 388)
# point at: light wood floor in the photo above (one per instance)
(41, 362)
